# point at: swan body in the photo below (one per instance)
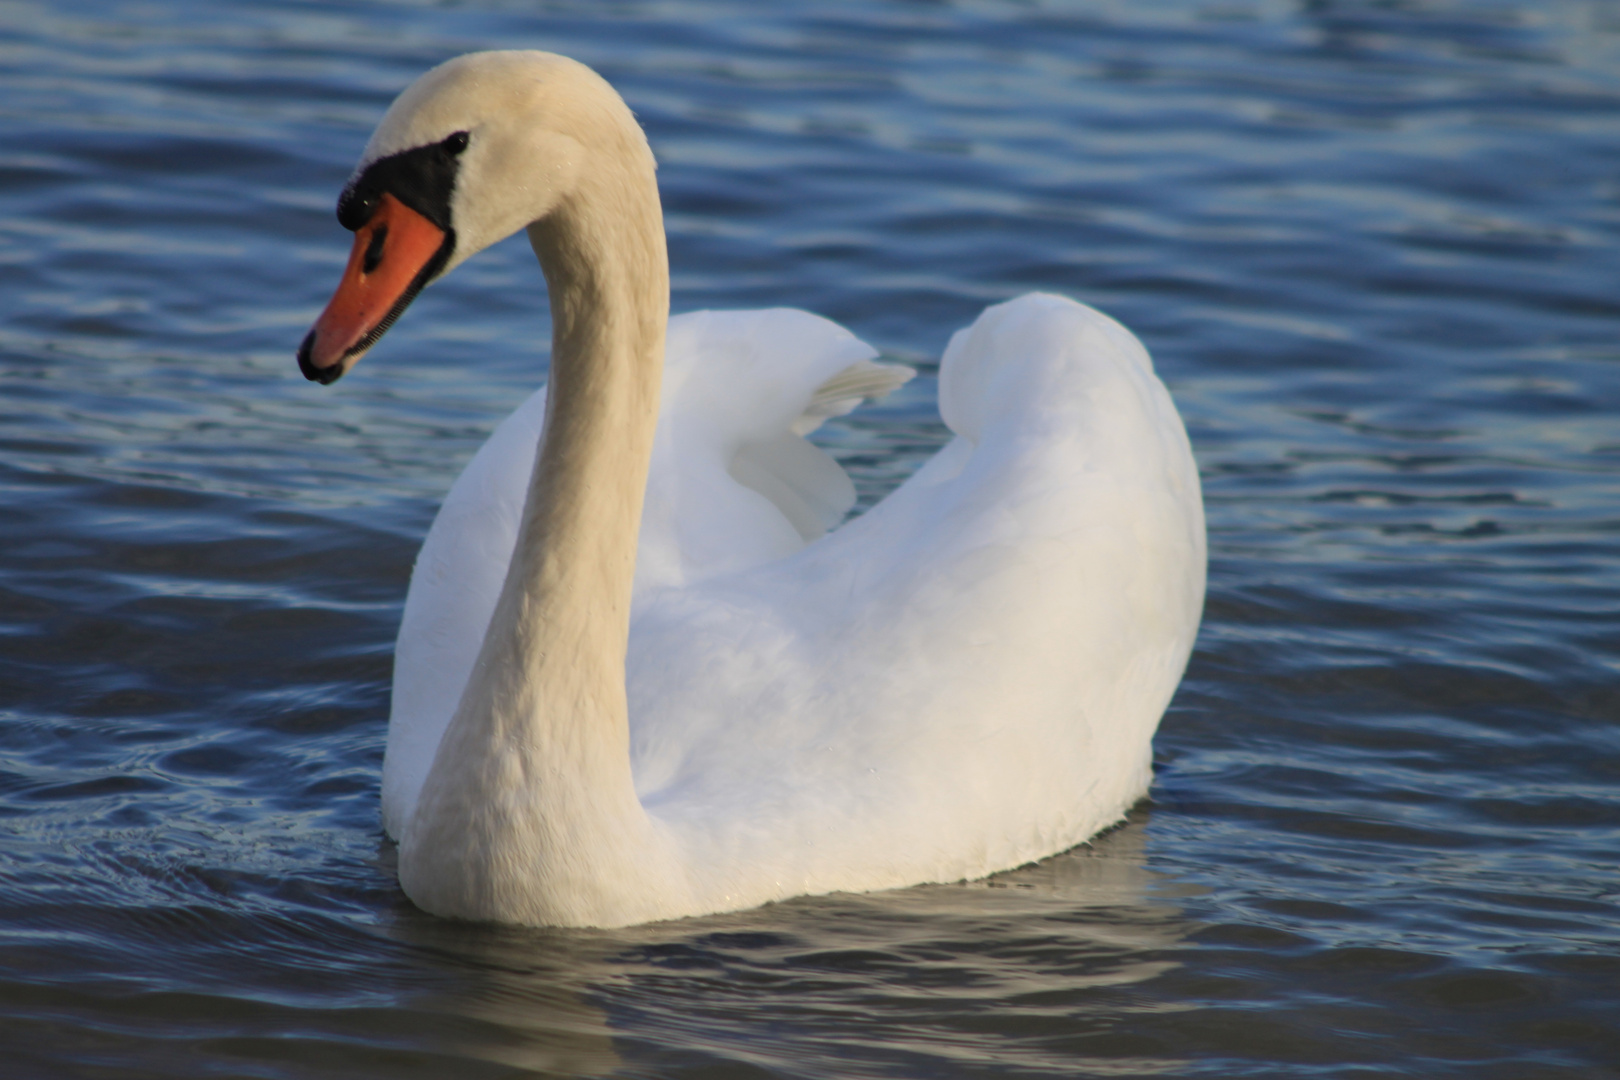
(643, 671)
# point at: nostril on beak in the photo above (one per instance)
(374, 250)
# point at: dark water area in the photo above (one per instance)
(1372, 247)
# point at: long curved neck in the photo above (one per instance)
(529, 811)
(567, 591)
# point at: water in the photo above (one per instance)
(1372, 246)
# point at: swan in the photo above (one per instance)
(643, 671)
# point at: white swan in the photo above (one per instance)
(963, 679)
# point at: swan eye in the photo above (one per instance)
(355, 210)
(422, 178)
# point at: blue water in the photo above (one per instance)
(1372, 246)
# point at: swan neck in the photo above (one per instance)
(529, 811)
(607, 275)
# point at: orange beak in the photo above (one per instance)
(395, 253)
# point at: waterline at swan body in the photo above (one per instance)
(637, 676)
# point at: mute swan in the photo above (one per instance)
(621, 697)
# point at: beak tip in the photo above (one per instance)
(325, 376)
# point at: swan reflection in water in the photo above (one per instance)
(1094, 921)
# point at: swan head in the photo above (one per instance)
(472, 151)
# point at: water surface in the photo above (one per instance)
(1372, 247)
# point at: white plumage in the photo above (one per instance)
(965, 678)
